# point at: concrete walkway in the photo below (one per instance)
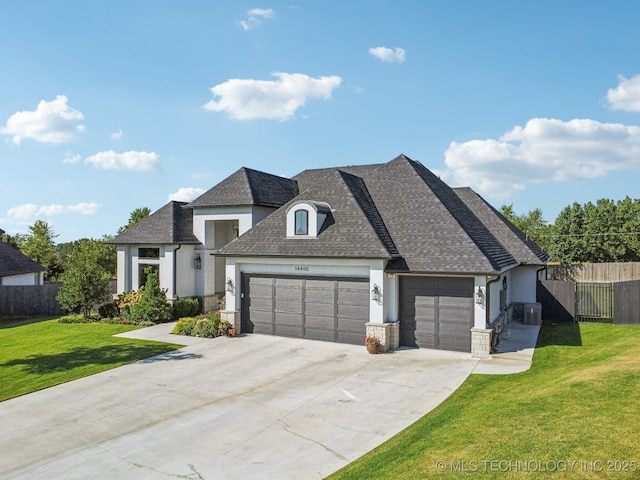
(515, 351)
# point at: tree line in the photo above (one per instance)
(605, 231)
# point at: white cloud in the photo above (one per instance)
(256, 16)
(117, 135)
(544, 150)
(389, 55)
(270, 100)
(626, 96)
(51, 122)
(186, 194)
(70, 158)
(31, 210)
(131, 160)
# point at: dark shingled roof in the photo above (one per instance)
(523, 249)
(249, 187)
(433, 229)
(172, 224)
(354, 229)
(398, 211)
(14, 262)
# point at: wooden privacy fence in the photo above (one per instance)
(595, 272)
(30, 300)
(615, 302)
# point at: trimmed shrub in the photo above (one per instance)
(186, 307)
(185, 326)
(77, 318)
(108, 310)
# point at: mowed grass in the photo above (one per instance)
(574, 414)
(39, 354)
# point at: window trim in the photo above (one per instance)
(297, 220)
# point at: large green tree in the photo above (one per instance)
(136, 216)
(104, 251)
(532, 224)
(606, 231)
(39, 246)
(86, 280)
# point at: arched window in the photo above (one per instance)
(301, 222)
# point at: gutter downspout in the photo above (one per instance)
(488, 314)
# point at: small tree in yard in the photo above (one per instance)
(153, 306)
(85, 283)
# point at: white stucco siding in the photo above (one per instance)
(22, 279)
(523, 282)
(246, 216)
(186, 273)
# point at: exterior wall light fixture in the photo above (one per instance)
(375, 293)
(197, 262)
(229, 285)
(480, 297)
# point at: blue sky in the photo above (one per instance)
(111, 106)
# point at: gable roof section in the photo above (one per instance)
(14, 262)
(249, 187)
(523, 249)
(171, 225)
(435, 232)
(354, 229)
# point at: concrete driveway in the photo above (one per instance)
(246, 407)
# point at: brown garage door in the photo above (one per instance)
(315, 308)
(436, 312)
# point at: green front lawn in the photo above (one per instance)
(39, 354)
(574, 414)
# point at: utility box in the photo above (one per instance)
(533, 313)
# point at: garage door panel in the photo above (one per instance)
(314, 308)
(436, 312)
(318, 322)
(288, 330)
(324, 309)
(353, 311)
(288, 306)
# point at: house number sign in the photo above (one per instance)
(302, 269)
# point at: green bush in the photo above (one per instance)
(77, 318)
(185, 326)
(186, 307)
(108, 310)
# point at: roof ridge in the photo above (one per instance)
(371, 213)
(493, 250)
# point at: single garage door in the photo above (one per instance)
(436, 312)
(316, 308)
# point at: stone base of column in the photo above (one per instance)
(233, 317)
(387, 333)
(481, 342)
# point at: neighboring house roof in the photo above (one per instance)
(398, 211)
(172, 224)
(249, 187)
(523, 249)
(14, 262)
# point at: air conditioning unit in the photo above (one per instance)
(533, 313)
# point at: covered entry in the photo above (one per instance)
(315, 308)
(436, 312)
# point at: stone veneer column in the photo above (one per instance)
(481, 342)
(233, 317)
(387, 333)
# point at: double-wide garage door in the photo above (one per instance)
(436, 312)
(316, 308)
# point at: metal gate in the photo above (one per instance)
(594, 302)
